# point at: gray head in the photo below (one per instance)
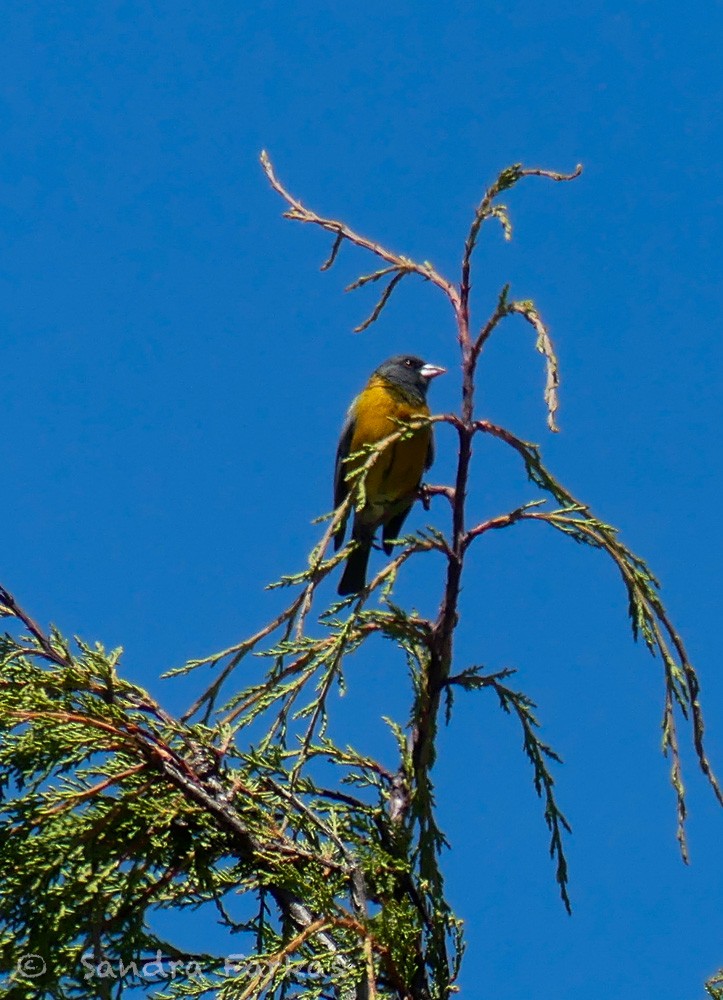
(410, 374)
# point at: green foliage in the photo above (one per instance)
(714, 986)
(324, 867)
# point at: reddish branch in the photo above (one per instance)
(440, 638)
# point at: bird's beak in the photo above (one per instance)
(431, 371)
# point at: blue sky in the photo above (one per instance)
(176, 369)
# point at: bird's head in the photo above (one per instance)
(409, 373)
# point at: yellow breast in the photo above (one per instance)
(398, 470)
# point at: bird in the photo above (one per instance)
(395, 393)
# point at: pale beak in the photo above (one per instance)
(431, 371)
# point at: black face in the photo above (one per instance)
(408, 362)
(409, 372)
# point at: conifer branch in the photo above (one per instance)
(119, 808)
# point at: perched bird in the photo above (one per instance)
(395, 393)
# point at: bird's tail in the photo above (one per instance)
(355, 572)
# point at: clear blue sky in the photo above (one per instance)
(175, 371)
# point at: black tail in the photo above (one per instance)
(354, 577)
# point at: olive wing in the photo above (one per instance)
(341, 487)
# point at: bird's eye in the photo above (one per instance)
(408, 362)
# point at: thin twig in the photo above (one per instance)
(385, 296)
(553, 175)
(300, 213)
(63, 659)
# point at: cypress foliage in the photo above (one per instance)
(324, 866)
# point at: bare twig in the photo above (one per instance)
(552, 175)
(501, 310)
(334, 251)
(50, 651)
(299, 213)
(502, 521)
(385, 296)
